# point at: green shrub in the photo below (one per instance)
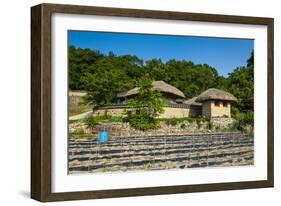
(116, 119)
(91, 122)
(210, 124)
(247, 119)
(243, 120)
(143, 122)
(172, 121)
(183, 126)
(190, 120)
(235, 125)
(79, 131)
(199, 123)
(109, 118)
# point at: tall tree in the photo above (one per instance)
(146, 106)
(103, 76)
(241, 84)
(148, 101)
(250, 61)
(80, 60)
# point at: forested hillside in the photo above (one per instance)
(104, 75)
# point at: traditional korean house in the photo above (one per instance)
(211, 103)
(216, 103)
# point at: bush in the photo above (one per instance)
(199, 123)
(190, 120)
(183, 126)
(79, 131)
(172, 121)
(143, 122)
(243, 119)
(108, 118)
(247, 119)
(210, 124)
(91, 122)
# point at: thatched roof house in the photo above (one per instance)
(216, 103)
(160, 86)
(211, 103)
(215, 94)
(192, 101)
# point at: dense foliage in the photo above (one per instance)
(147, 105)
(241, 85)
(91, 122)
(104, 75)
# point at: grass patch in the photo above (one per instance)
(81, 134)
(79, 131)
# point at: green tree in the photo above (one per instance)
(104, 75)
(241, 85)
(80, 61)
(147, 105)
(250, 61)
(190, 78)
(106, 78)
(147, 101)
(156, 69)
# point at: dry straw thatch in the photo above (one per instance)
(215, 94)
(192, 101)
(160, 86)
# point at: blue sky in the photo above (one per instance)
(224, 54)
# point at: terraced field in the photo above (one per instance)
(160, 152)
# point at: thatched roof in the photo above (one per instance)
(192, 101)
(215, 94)
(156, 85)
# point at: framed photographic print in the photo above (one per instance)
(130, 102)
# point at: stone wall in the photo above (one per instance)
(118, 129)
(111, 111)
(169, 111)
(222, 122)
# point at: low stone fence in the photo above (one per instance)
(117, 129)
(222, 122)
(170, 111)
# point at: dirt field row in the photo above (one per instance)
(164, 152)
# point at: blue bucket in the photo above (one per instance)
(103, 137)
